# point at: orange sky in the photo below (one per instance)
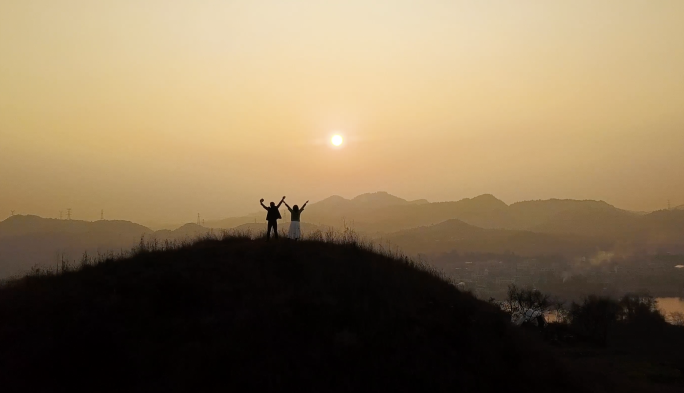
(160, 109)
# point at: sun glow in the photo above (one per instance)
(337, 140)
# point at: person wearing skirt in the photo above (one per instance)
(295, 227)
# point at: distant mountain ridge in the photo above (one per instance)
(20, 225)
(484, 211)
(482, 223)
(381, 212)
(373, 200)
(27, 241)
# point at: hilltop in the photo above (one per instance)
(263, 316)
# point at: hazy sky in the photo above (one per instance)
(160, 109)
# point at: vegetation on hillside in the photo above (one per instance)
(239, 313)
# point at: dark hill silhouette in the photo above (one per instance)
(244, 315)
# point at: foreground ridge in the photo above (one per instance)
(250, 314)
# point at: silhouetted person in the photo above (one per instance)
(295, 228)
(272, 217)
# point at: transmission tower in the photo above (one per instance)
(102, 214)
(198, 219)
(69, 214)
(12, 212)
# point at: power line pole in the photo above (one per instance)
(198, 219)
(69, 214)
(102, 214)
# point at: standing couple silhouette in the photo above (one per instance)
(273, 216)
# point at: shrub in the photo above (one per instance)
(641, 309)
(594, 318)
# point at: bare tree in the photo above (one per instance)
(524, 299)
(561, 311)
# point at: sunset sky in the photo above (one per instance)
(162, 109)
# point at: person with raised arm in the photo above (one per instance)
(272, 217)
(295, 227)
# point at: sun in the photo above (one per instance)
(337, 140)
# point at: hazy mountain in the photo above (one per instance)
(233, 222)
(485, 211)
(576, 232)
(460, 236)
(337, 206)
(591, 220)
(26, 225)
(663, 228)
(397, 214)
(378, 214)
(186, 231)
(483, 223)
(382, 199)
(27, 241)
(532, 214)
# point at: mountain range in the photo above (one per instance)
(28, 241)
(480, 224)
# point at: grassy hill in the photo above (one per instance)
(242, 314)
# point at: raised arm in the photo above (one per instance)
(288, 206)
(303, 206)
(262, 204)
(281, 201)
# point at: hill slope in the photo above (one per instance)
(277, 316)
(457, 235)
